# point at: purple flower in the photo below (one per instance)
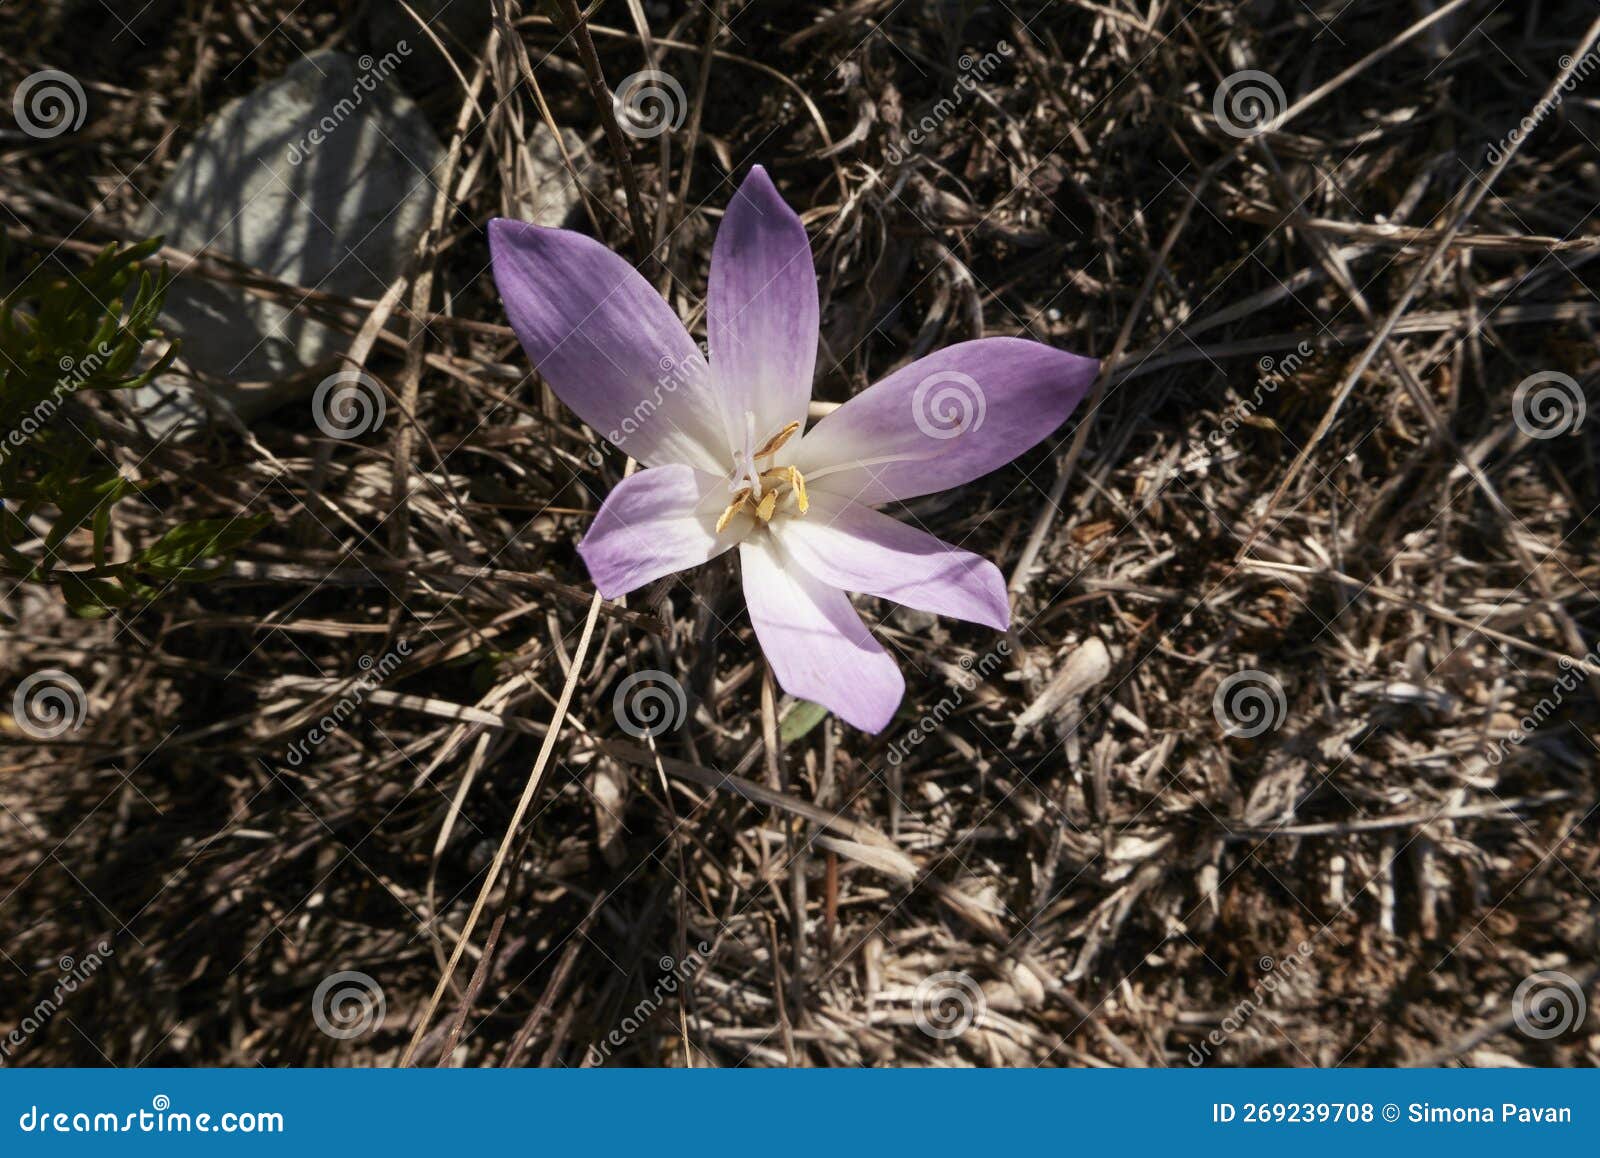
(727, 462)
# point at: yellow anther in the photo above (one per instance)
(740, 501)
(775, 443)
(797, 483)
(760, 494)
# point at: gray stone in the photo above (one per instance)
(542, 190)
(546, 193)
(321, 178)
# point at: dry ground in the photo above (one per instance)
(1305, 463)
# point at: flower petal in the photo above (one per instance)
(816, 643)
(607, 343)
(654, 523)
(761, 311)
(944, 420)
(857, 548)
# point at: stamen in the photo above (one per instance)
(775, 443)
(756, 491)
(740, 501)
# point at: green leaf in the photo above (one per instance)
(804, 716)
(185, 547)
(81, 505)
(91, 598)
(67, 328)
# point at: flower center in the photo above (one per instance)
(757, 486)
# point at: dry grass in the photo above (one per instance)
(1075, 832)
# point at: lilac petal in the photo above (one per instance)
(654, 523)
(607, 343)
(944, 420)
(761, 311)
(859, 549)
(816, 643)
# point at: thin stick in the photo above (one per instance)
(643, 237)
(1347, 387)
(1340, 79)
(1581, 663)
(1041, 526)
(528, 792)
(474, 987)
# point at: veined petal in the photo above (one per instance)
(607, 343)
(654, 523)
(857, 548)
(761, 309)
(816, 643)
(944, 420)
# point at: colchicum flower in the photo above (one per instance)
(729, 464)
